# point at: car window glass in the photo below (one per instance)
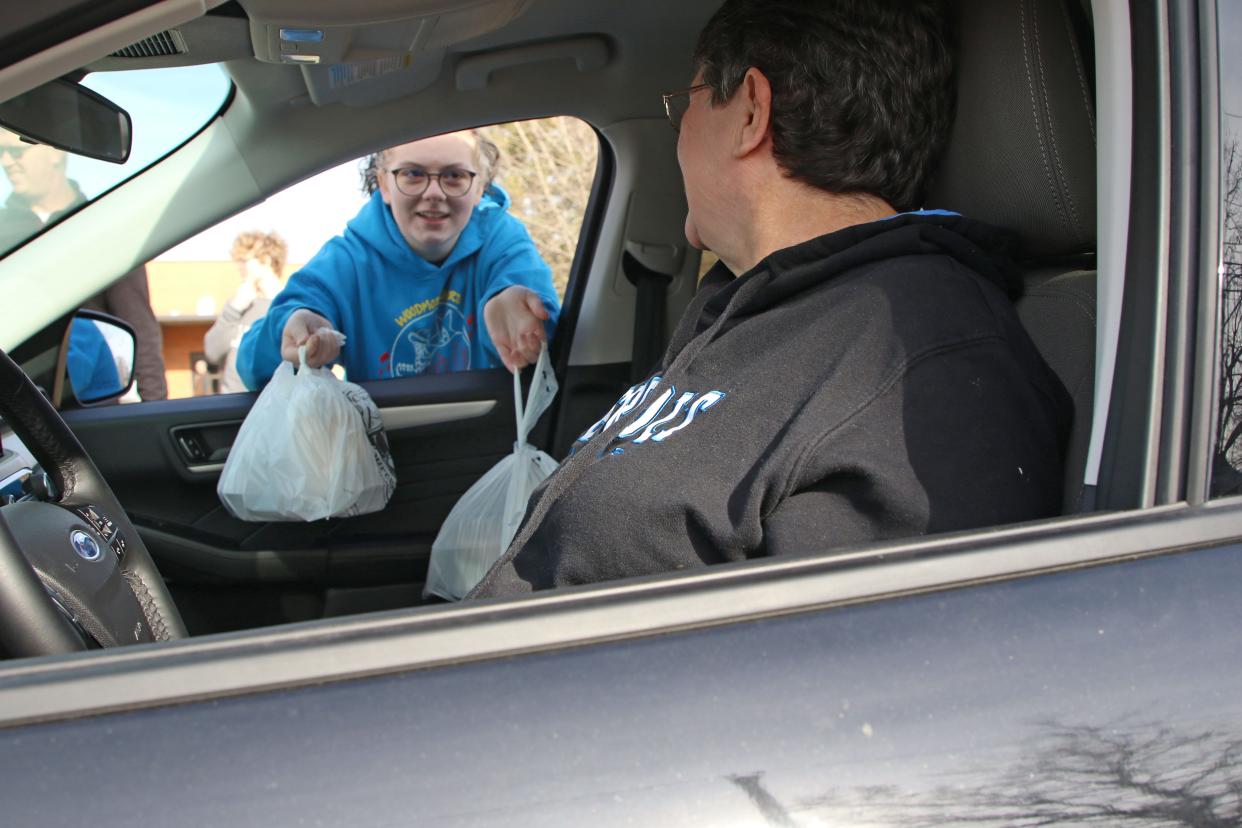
(41, 185)
(1227, 451)
(292, 250)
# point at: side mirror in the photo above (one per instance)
(68, 116)
(100, 357)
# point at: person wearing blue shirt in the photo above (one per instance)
(433, 275)
(92, 368)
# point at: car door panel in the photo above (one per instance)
(1036, 698)
(170, 492)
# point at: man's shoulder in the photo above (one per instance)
(918, 280)
(926, 301)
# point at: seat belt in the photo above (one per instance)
(650, 309)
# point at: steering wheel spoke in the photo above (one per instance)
(73, 573)
(80, 572)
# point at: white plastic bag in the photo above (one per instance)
(311, 447)
(485, 518)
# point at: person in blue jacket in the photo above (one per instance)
(92, 368)
(433, 275)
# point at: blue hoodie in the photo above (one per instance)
(401, 314)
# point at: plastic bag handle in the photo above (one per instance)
(534, 406)
(517, 408)
(340, 341)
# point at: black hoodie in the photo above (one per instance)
(871, 383)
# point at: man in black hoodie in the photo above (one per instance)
(853, 369)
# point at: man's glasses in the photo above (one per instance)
(15, 151)
(676, 104)
(414, 181)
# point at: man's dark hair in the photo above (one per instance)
(862, 90)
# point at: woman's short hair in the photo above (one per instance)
(266, 248)
(862, 90)
(486, 158)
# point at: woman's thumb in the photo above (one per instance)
(535, 304)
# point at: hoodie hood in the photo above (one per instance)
(787, 273)
(375, 230)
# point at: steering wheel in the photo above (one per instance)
(74, 573)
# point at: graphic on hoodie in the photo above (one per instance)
(436, 341)
(667, 414)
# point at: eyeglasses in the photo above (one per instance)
(676, 104)
(15, 151)
(414, 181)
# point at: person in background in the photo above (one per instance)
(260, 259)
(433, 275)
(42, 194)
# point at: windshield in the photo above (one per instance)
(42, 185)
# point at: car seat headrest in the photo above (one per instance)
(1022, 151)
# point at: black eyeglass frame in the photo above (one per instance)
(16, 151)
(676, 112)
(396, 177)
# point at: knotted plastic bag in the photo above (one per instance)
(485, 518)
(312, 447)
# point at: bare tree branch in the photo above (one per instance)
(548, 167)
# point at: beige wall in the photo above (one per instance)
(186, 297)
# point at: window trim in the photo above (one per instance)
(221, 666)
(1130, 463)
(584, 253)
(1207, 345)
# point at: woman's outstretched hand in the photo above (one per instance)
(305, 327)
(514, 319)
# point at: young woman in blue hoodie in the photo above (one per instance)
(433, 275)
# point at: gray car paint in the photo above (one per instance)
(908, 711)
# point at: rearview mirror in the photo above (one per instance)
(70, 117)
(100, 358)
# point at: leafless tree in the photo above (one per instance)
(1228, 442)
(1089, 775)
(548, 167)
(1146, 775)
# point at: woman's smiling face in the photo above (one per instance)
(432, 222)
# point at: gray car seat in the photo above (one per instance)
(1022, 156)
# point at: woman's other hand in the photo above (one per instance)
(514, 319)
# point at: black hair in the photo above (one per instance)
(863, 91)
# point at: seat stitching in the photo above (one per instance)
(147, 602)
(1061, 177)
(1030, 85)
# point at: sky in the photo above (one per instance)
(305, 215)
(167, 106)
(1229, 32)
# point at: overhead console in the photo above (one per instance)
(368, 51)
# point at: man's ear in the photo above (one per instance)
(754, 96)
